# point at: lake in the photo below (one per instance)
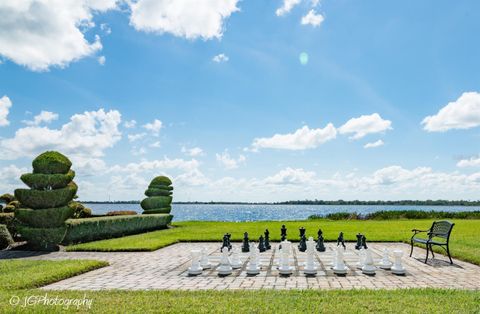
(184, 212)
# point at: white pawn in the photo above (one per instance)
(397, 267)
(334, 258)
(361, 258)
(236, 262)
(252, 266)
(339, 268)
(385, 263)
(225, 268)
(285, 268)
(195, 268)
(368, 268)
(310, 267)
(204, 261)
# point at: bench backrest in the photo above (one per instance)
(441, 229)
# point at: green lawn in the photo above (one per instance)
(464, 241)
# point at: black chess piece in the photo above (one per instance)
(320, 246)
(267, 240)
(261, 244)
(283, 231)
(364, 242)
(302, 246)
(358, 246)
(229, 245)
(341, 241)
(224, 242)
(245, 245)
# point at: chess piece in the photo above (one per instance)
(397, 267)
(302, 246)
(310, 267)
(235, 261)
(253, 263)
(361, 258)
(385, 263)
(246, 245)
(339, 268)
(341, 241)
(225, 268)
(285, 268)
(364, 242)
(229, 245)
(358, 246)
(204, 261)
(368, 267)
(283, 235)
(320, 246)
(195, 269)
(267, 240)
(225, 242)
(261, 244)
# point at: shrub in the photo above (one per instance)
(161, 180)
(38, 199)
(157, 192)
(79, 210)
(401, 214)
(160, 187)
(121, 213)
(91, 229)
(43, 239)
(8, 219)
(9, 209)
(164, 210)
(44, 218)
(156, 202)
(5, 238)
(51, 163)
(7, 198)
(40, 181)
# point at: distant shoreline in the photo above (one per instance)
(319, 202)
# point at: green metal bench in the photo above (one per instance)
(438, 234)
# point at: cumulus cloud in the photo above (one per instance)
(374, 144)
(136, 137)
(229, 162)
(5, 105)
(471, 162)
(154, 127)
(291, 176)
(312, 18)
(130, 124)
(156, 165)
(303, 138)
(42, 117)
(101, 60)
(464, 113)
(220, 58)
(192, 152)
(286, 7)
(364, 125)
(39, 34)
(182, 18)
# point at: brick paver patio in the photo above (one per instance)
(167, 269)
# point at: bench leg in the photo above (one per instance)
(426, 258)
(431, 250)
(448, 252)
(411, 250)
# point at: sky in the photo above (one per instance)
(248, 100)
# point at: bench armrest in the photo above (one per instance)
(419, 231)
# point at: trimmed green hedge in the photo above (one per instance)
(43, 238)
(45, 199)
(156, 202)
(91, 229)
(41, 181)
(44, 218)
(50, 163)
(157, 192)
(5, 237)
(163, 210)
(161, 180)
(160, 187)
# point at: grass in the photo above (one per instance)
(464, 240)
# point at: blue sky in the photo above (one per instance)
(214, 94)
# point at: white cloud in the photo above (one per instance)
(228, 162)
(156, 165)
(39, 34)
(364, 125)
(472, 162)
(286, 7)
(101, 60)
(130, 124)
(312, 18)
(303, 138)
(291, 176)
(138, 151)
(192, 152)
(464, 113)
(374, 144)
(10, 178)
(220, 58)
(136, 137)
(5, 105)
(182, 18)
(42, 117)
(155, 144)
(154, 127)
(105, 28)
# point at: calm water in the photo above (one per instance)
(266, 212)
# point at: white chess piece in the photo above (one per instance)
(334, 258)
(236, 262)
(285, 268)
(204, 261)
(225, 268)
(339, 268)
(397, 267)
(361, 258)
(310, 267)
(252, 266)
(195, 268)
(368, 268)
(385, 263)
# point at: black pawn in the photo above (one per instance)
(229, 245)
(364, 242)
(320, 246)
(224, 242)
(358, 246)
(261, 244)
(341, 241)
(302, 246)
(283, 233)
(267, 240)
(246, 245)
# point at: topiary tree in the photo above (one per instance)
(44, 207)
(159, 196)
